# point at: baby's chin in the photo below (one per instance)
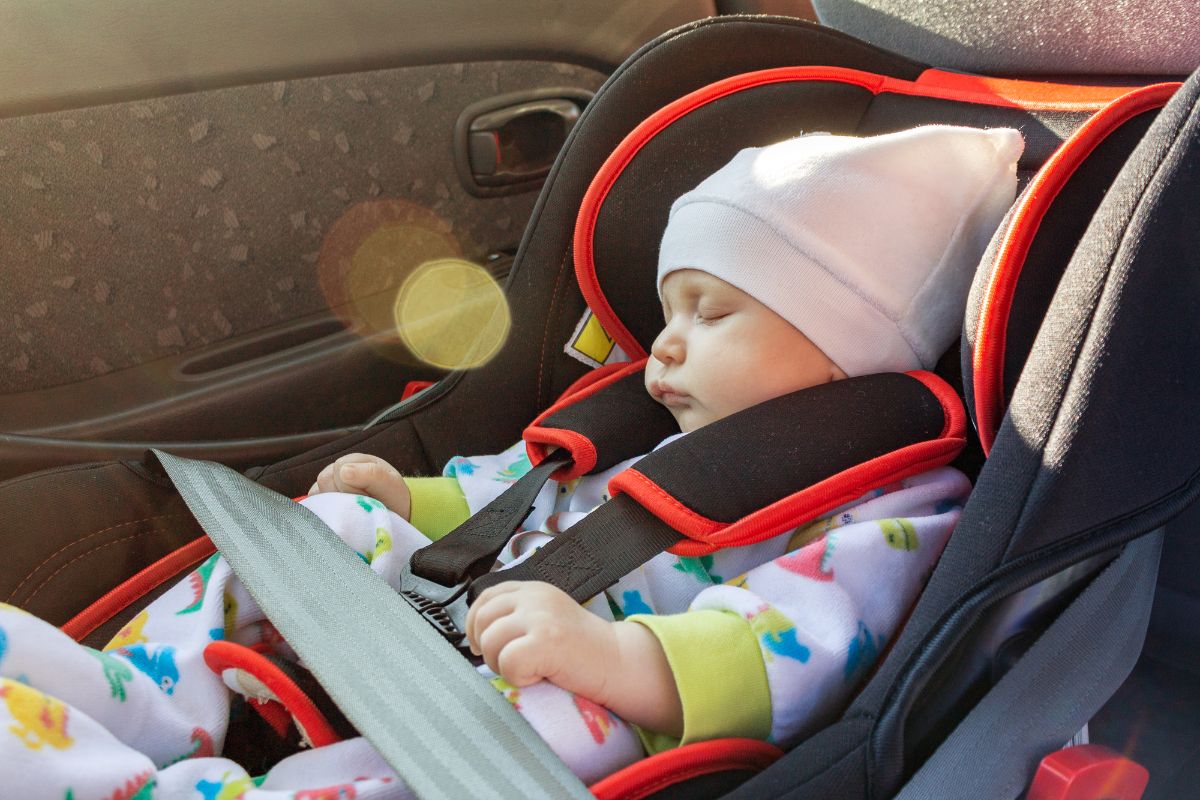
(689, 418)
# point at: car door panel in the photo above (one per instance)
(206, 211)
(222, 264)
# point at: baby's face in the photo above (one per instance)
(723, 351)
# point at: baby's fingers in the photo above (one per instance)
(521, 661)
(324, 481)
(362, 477)
(499, 635)
(483, 615)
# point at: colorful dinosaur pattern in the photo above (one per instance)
(369, 504)
(158, 664)
(460, 466)
(888, 489)
(809, 561)
(597, 718)
(862, 652)
(943, 506)
(899, 533)
(345, 791)
(229, 615)
(777, 634)
(233, 790)
(383, 542)
(139, 787)
(698, 568)
(131, 634)
(514, 470)
(198, 580)
(511, 693)
(634, 604)
(40, 720)
(116, 671)
(201, 747)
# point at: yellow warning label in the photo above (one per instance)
(593, 341)
(591, 344)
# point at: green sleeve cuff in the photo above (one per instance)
(719, 670)
(438, 505)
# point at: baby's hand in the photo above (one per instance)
(529, 630)
(359, 473)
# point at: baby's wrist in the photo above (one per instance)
(641, 688)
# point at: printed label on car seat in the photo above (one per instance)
(591, 344)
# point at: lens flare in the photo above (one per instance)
(452, 314)
(370, 251)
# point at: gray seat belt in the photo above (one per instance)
(1053, 690)
(431, 716)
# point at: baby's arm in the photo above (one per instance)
(529, 630)
(359, 473)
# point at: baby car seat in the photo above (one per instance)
(1038, 509)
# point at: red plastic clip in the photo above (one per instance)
(412, 387)
(289, 703)
(1088, 772)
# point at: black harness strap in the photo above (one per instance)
(621, 535)
(615, 424)
(471, 549)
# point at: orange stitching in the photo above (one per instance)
(99, 547)
(549, 322)
(70, 545)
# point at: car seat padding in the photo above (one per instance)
(1064, 194)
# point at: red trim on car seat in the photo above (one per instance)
(1031, 95)
(707, 536)
(988, 358)
(136, 587)
(222, 655)
(644, 778)
(591, 377)
(540, 441)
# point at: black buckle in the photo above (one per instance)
(436, 615)
(443, 607)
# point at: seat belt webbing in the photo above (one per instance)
(444, 729)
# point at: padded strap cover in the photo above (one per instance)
(602, 424)
(734, 482)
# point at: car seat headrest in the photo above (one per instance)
(624, 212)
(1021, 269)
(1043, 38)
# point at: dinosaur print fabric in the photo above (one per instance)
(147, 717)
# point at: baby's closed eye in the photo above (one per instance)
(707, 315)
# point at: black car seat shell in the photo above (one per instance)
(424, 431)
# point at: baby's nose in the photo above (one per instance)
(667, 347)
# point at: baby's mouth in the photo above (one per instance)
(668, 395)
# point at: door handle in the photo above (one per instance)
(509, 143)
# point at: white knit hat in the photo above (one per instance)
(867, 245)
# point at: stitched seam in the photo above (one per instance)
(549, 321)
(71, 544)
(42, 585)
